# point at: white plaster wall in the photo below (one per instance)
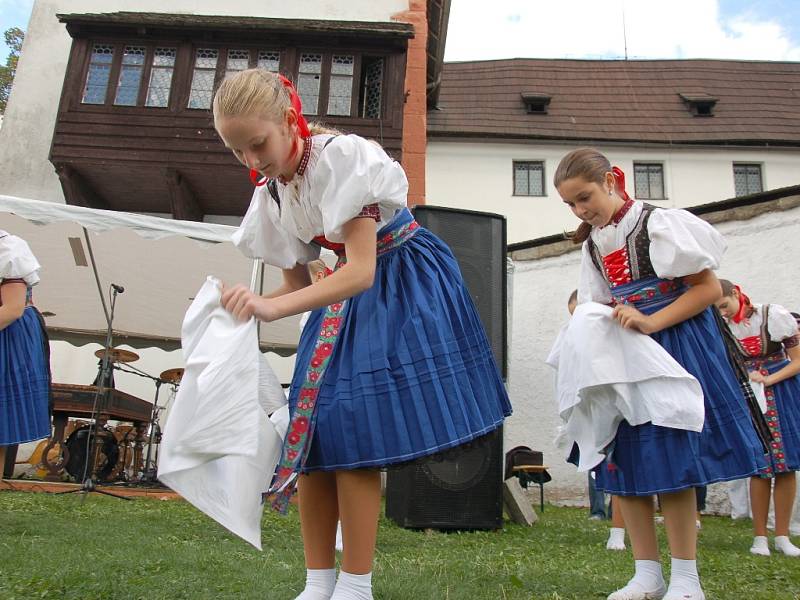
(30, 117)
(478, 176)
(760, 256)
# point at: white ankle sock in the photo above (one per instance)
(684, 582)
(785, 545)
(647, 583)
(353, 587)
(616, 538)
(319, 584)
(760, 546)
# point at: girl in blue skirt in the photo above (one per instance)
(656, 266)
(768, 338)
(393, 364)
(24, 352)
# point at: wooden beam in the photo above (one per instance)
(184, 204)
(77, 190)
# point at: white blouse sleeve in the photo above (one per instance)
(682, 244)
(353, 173)
(261, 236)
(17, 261)
(781, 324)
(592, 287)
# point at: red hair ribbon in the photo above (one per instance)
(744, 304)
(302, 124)
(619, 178)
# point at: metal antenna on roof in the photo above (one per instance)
(624, 30)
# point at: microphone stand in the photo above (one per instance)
(90, 483)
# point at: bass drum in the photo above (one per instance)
(107, 454)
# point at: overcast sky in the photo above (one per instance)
(741, 29)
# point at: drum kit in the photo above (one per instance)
(115, 455)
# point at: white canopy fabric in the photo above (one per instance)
(160, 262)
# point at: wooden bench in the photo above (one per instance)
(534, 469)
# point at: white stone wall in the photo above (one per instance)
(31, 114)
(478, 176)
(761, 257)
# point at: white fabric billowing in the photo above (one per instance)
(781, 325)
(340, 179)
(606, 373)
(681, 244)
(760, 394)
(219, 449)
(17, 260)
(352, 173)
(261, 236)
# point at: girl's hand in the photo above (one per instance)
(631, 318)
(758, 377)
(243, 304)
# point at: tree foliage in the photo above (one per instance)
(13, 37)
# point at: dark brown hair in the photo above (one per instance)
(588, 164)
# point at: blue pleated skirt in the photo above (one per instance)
(649, 459)
(783, 420)
(24, 381)
(412, 372)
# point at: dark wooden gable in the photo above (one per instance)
(112, 148)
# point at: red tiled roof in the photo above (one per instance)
(758, 103)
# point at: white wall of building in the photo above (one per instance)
(757, 258)
(31, 114)
(478, 176)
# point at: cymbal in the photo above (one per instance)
(118, 355)
(171, 375)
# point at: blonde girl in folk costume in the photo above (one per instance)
(24, 349)
(656, 266)
(393, 364)
(769, 340)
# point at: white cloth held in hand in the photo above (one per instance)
(606, 373)
(219, 449)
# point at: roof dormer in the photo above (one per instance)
(536, 103)
(699, 104)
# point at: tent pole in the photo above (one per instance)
(96, 276)
(257, 286)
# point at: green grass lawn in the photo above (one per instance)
(60, 547)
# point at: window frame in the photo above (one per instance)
(760, 176)
(651, 163)
(514, 164)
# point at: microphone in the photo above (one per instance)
(118, 288)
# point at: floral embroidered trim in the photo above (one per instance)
(301, 427)
(301, 168)
(776, 443)
(371, 211)
(791, 342)
(665, 288)
(623, 210)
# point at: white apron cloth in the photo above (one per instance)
(606, 373)
(219, 449)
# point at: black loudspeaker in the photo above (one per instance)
(478, 241)
(466, 491)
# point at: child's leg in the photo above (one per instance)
(316, 495)
(359, 507)
(637, 514)
(647, 582)
(785, 488)
(679, 510)
(319, 512)
(760, 490)
(616, 533)
(679, 520)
